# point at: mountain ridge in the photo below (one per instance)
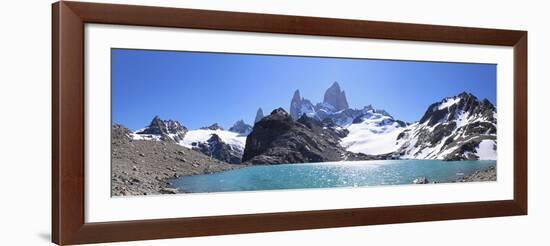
(459, 127)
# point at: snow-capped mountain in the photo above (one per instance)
(213, 140)
(334, 106)
(457, 128)
(165, 130)
(368, 130)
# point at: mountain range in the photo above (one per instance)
(459, 127)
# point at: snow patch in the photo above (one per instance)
(202, 135)
(449, 102)
(151, 137)
(374, 136)
(487, 150)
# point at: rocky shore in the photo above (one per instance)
(489, 174)
(141, 167)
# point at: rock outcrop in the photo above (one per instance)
(278, 139)
(120, 133)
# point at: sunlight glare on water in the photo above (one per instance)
(329, 174)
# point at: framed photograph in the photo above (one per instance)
(176, 122)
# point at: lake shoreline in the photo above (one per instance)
(135, 178)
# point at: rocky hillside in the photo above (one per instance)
(278, 139)
(144, 167)
(457, 128)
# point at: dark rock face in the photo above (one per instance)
(278, 139)
(259, 115)
(217, 149)
(339, 131)
(168, 130)
(441, 131)
(241, 127)
(336, 97)
(213, 127)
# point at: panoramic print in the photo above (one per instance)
(195, 122)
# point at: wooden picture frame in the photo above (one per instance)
(68, 223)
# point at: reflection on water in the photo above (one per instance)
(329, 174)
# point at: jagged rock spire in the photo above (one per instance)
(166, 129)
(259, 115)
(295, 105)
(336, 97)
(241, 127)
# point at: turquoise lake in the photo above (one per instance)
(329, 175)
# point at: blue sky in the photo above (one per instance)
(199, 89)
